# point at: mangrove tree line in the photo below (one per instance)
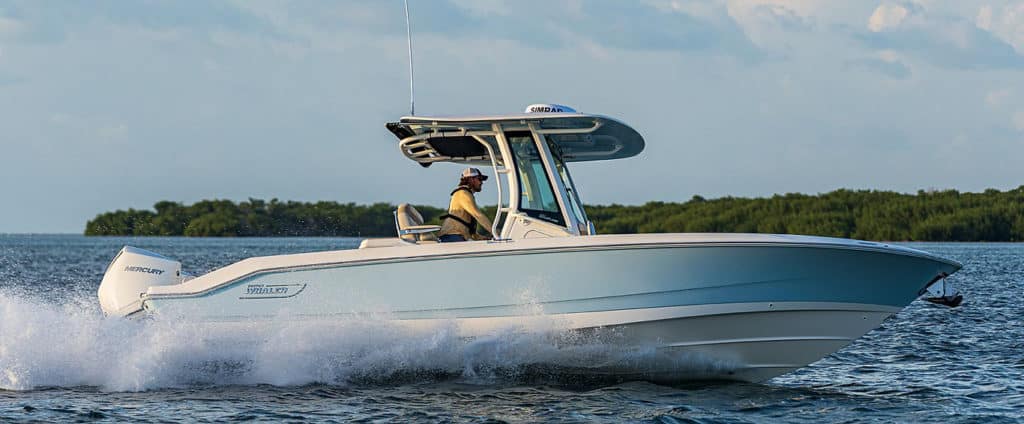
(946, 215)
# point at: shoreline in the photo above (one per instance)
(156, 237)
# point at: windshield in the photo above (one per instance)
(575, 206)
(536, 197)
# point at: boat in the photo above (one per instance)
(748, 306)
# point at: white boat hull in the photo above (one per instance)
(747, 341)
(743, 307)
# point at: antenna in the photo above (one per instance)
(412, 88)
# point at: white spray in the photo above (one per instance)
(46, 345)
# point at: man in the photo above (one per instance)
(463, 215)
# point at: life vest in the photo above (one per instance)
(472, 223)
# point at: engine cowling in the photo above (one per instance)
(130, 274)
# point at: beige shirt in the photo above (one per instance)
(463, 205)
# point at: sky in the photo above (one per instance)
(110, 105)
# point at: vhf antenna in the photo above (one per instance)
(412, 88)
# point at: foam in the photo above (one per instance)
(48, 345)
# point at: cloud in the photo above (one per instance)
(944, 40)
(997, 98)
(536, 23)
(623, 25)
(485, 8)
(9, 26)
(703, 10)
(895, 69)
(1007, 24)
(984, 18)
(887, 16)
(768, 24)
(618, 25)
(55, 24)
(1018, 120)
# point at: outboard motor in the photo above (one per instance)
(130, 274)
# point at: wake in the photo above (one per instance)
(71, 345)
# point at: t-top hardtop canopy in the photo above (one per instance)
(470, 139)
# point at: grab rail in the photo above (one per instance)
(497, 182)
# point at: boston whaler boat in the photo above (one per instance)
(755, 305)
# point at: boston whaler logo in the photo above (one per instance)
(143, 270)
(272, 291)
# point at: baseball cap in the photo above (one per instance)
(473, 172)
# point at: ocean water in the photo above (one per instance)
(62, 360)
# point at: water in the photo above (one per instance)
(61, 360)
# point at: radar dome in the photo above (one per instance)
(549, 108)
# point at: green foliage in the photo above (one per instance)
(130, 222)
(865, 214)
(255, 217)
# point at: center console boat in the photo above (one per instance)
(755, 305)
